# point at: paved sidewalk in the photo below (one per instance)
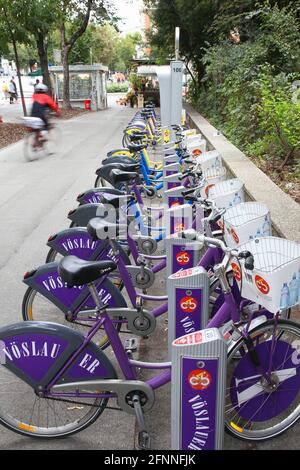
(34, 201)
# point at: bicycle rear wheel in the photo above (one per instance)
(31, 152)
(36, 307)
(262, 404)
(24, 412)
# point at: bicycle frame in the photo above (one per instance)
(128, 366)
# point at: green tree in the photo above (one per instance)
(74, 19)
(39, 18)
(125, 51)
(194, 17)
(12, 32)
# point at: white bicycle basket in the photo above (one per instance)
(33, 122)
(245, 222)
(275, 280)
(212, 177)
(227, 193)
(210, 160)
(196, 145)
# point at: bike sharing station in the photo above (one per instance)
(230, 286)
(198, 356)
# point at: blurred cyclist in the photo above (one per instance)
(43, 103)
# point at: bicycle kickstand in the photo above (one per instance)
(144, 440)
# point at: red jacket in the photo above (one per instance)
(45, 100)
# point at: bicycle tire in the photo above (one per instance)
(237, 430)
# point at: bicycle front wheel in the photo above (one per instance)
(263, 402)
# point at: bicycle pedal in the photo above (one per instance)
(131, 345)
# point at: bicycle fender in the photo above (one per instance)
(36, 352)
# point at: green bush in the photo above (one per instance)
(247, 89)
(279, 114)
(117, 88)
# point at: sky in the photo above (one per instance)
(128, 10)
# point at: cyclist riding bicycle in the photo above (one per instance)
(42, 103)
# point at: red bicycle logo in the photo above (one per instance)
(197, 152)
(183, 258)
(199, 379)
(188, 304)
(179, 228)
(237, 271)
(262, 285)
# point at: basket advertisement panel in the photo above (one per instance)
(275, 281)
(245, 222)
(228, 193)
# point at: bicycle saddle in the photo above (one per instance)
(136, 148)
(118, 166)
(123, 159)
(77, 272)
(119, 176)
(115, 200)
(136, 138)
(100, 229)
(110, 154)
(139, 133)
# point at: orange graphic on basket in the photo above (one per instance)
(237, 271)
(234, 236)
(183, 257)
(208, 187)
(175, 204)
(197, 152)
(262, 285)
(199, 379)
(188, 304)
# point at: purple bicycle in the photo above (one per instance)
(57, 382)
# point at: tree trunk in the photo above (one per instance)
(43, 56)
(19, 76)
(65, 50)
(14, 43)
(66, 88)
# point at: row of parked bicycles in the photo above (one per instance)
(93, 289)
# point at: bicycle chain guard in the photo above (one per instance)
(140, 322)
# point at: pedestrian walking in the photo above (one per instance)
(12, 92)
(15, 87)
(36, 83)
(5, 90)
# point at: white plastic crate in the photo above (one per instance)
(227, 193)
(275, 280)
(246, 221)
(33, 122)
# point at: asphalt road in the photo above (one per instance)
(34, 201)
